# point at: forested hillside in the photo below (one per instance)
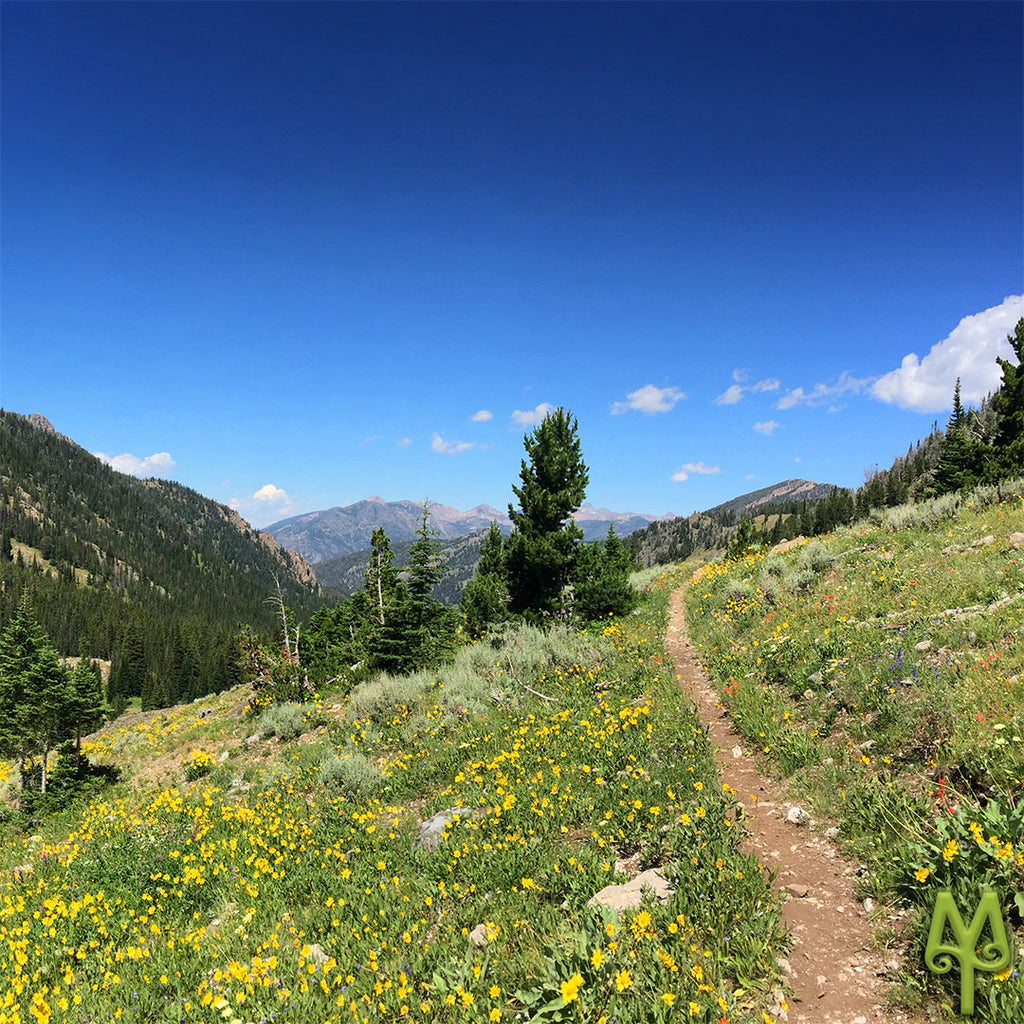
(147, 575)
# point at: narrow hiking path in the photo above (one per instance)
(836, 972)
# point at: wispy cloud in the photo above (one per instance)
(442, 447)
(404, 442)
(267, 505)
(968, 352)
(159, 464)
(649, 400)
(768, 427)
(824, 394)
(689, 468)
(731, 395)
(482, 416)
(734, 392)
(370, 439)
(532, 417)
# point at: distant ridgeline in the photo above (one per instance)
(145, 574)
(983, 445)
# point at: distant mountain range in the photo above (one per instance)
(325, 535)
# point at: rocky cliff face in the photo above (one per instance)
(291, 560)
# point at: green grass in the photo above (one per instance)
(287, 881)
(881, 672)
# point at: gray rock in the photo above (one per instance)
(797, 816)
(478, 936)
(630, 894)
(923, 645)
(1016, 541)
(428, 837)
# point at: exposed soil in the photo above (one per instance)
(837, 973)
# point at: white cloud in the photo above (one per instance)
(969, 352)
(267, 505)
(404, 442)
(768, 427)
(370, 439)
(730, 396)
(482, 416)
(823, 394)
(271, 493)
(442, 447)
(684, 471)
(649, 400)
(734, 392)
(160, 464)
(532, 417)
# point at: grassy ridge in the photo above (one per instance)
(883, 672)
(284, 881)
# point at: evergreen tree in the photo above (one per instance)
(600, 579)
(744, 539)
(86, 700)
(422, 630)
(485, 597)
(960, 456)
(1008, 403)
(35, 698)
(541, 552)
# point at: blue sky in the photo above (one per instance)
(295, 255)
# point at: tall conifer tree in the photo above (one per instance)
(541, 552)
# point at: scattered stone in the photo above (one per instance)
(867, 745)
(428, 837)
(478, 936)
(822, 982)
(254, 738)
(1016, 541)
(737, 751)
(984, 542)
(815, 677)
(832, 831)
(23, 871)
(924, 645)
(797, 816)
(630, 894)
(808, 694)
(317, 955)
(223, 755)
(797, 889)
(869, 905)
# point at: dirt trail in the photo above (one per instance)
(836, 973)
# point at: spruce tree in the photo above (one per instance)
(541, 552)
(35, 698)
(86, 700)
(484, 599)
(1008, 403)
(600, 579)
